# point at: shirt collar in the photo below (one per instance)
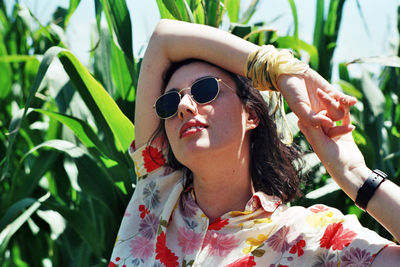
(258, 200)
(264, 201)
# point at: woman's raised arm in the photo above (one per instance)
(174, 41)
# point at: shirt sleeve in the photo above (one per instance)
(148, 159)
(341, 239)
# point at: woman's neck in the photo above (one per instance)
(224, 186)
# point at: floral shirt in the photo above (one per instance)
(164, 226)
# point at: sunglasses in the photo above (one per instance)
(202, 91)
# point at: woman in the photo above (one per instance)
(212, 173)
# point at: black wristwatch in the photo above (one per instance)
(369, 187)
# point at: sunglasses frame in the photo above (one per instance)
(191, 95)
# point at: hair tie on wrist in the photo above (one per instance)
(263, 68)
(367, 190)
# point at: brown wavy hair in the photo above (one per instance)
(274, 166)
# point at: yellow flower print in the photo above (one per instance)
(321, 219)
(265, 220)
(239, 213)
(254, 243)
(138, 174)
(116, 240)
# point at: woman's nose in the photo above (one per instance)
(187, 106)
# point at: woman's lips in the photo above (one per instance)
(191, 127)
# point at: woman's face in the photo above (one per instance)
(198, 130)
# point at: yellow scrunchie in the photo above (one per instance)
(264, 67)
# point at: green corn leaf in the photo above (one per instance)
(331, 26)
(187, 11)
(213, 13)
(97, 99)
(249, 12)
(319, 23)
(5, 71)
(233, 7)
(295, 18)
(164, 12)
(47, 59)
(292, 120)
(311, 161)
(15, 209)
(80, 222)
(172, 8)
(388, 61)
(349, 89)
(98, 10)
(182, 7)
(198, 11)
(240, 30)
(73, 4)
(61, 145)
(373, 95)
(330, 187)
(117, 15)
(24, 184)
(297, 44)
(121, 127)
(344, 72)
(4, 20)
(80, 128)
(13, 227)
(16, 58)
(124, 85)
(102, 60)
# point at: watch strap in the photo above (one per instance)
(367, 190)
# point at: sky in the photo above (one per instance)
(374, 36)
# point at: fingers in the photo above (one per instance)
(333, 131)
(309, 117)
(331, 90)
(338, 130)
(312, 134)
(336, 109)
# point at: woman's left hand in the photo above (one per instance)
(315, 101)
(338, 154)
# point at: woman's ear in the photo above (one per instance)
(252, 120)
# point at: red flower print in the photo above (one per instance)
(337, 237)
(277, 204)
(298, 247)
(111, 264)
(218, 224)
(247, 261)
(164, 254)
(153, 158)
(319, 208)
(132, 147)
(143, 211)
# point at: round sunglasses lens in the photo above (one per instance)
(167, 105)
(205, 90)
